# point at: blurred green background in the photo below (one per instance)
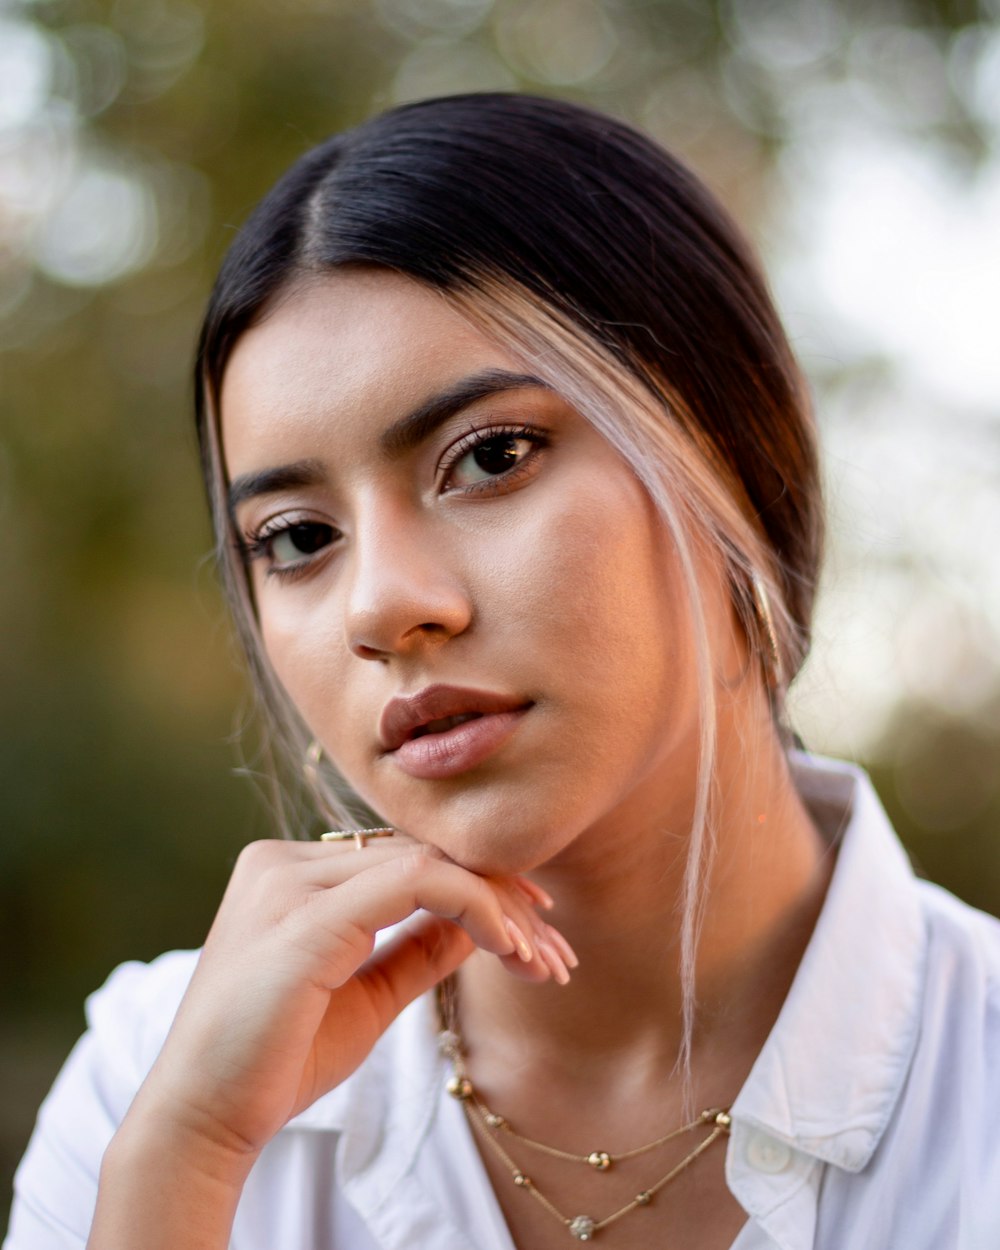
(858, 143)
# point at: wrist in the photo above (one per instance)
(162, 1185)
(153, 1139)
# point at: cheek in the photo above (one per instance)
(628, 654)
(593, 587)
(307, 653)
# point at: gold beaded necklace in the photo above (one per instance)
(489, 1127)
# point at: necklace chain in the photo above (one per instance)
(600, 1160)
(488, 1125)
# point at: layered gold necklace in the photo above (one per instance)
(492, 1128)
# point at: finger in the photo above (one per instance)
(556, 939)
(273, 876)
(553, 955)
(534, 893)
(279, 876)
(340, 924)
(346, 862)
(284, 880)
(269, 852)
(553, 961)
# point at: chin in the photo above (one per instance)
(493, 834)
(488, 850)
(487, 856)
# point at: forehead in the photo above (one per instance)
(354, 349)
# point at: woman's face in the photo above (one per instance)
(462, 587)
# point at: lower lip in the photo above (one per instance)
(448, 754)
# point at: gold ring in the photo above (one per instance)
(358, 836)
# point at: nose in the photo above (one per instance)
(405, 592)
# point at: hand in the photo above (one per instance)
(289, 995)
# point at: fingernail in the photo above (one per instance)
(553, 961)
(521, 944)
(562, 946)
(535, 892)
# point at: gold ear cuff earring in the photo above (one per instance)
(762, 606)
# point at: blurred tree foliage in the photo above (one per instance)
(940, 783)
(135, 136)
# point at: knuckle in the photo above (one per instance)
(256, 856)
(262, 879)
(416, 865)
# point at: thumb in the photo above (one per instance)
(415, 960)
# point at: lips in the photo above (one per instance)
(443, 724)
(444, 730)
(436, 709)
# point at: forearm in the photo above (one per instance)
(160, 1191)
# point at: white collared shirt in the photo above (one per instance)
(870, 1121)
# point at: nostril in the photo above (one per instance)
(365, 652)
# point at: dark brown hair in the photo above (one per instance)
(597, 222)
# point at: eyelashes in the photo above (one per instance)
(494, 458)
(488, 461)
(287, 545)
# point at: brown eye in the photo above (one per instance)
(492, 457)
(296, 541)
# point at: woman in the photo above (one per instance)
(517, 501)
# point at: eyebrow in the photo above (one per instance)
(410, 431)
(402, 436)
(270, 481)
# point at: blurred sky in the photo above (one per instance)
(885, 250)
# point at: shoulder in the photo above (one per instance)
(941, 1144)
(960, 931)
(128, 1019)
(962, 971)
(131, 1014)
(939, 1158)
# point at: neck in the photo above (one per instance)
(619, 901)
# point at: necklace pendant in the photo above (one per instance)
(599, 1160)
(460, 1087)
(582, 1228)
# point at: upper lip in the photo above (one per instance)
(406, 713)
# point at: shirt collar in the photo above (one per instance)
(832, 1069)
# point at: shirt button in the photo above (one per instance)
(764, 1154)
